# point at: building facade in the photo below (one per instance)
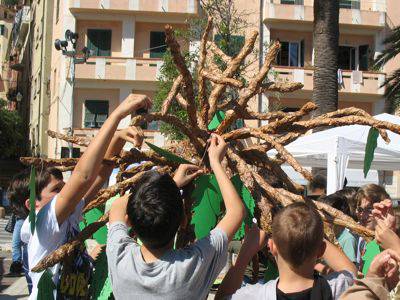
(126, 41)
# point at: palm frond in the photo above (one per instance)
(392, 89)
(392, 43)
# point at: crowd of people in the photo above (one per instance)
(296, 261)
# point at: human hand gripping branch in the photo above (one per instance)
(235, 211)
(386, 225)
(89, 164)
(131, 134)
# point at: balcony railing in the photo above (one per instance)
(21, 26)
(163, 6)
(363, 82)
(368, 13)
(119, 69)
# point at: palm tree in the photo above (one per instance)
(392, 82)
(326, 46)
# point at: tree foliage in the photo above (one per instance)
(392, 82)
(11, 128)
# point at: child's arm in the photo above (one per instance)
(235, 211)
(88, 165)
(254, 241)
(337, 260)
(133, 135)
(118, 210)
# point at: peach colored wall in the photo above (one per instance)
(142, 36)
(356, 40)
(292, 36)
(116, 35)
(81, 95)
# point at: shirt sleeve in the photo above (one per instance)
(250, 291)
(349, 246)
(213, 251)
(117, 240)
(340, 282)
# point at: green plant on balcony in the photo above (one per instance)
(10, 2)
(11, 132)
(392, 82)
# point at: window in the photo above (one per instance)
(236, 44)
(76, 152)
(99, 42)
(297, 2)
(347, 58)
(354, 4)
(96, 113)
(2, 29)
(157, 44)
(354, 58)
(291, 54)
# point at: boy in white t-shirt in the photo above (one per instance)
(59, 206)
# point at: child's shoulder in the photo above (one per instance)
(256, 291)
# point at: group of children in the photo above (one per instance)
(153, 210)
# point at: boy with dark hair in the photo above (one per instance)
(317, 187)
(297, 243)
(17, 193)
(155, 210)
(59, 206)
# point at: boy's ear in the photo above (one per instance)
(272, 247)
(322, 249)
(127, 221)
(28, 207)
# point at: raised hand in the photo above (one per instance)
(254, 240)
(383, 211)
(132, 103)
(132, 135)
(386, 237)
(186, 173)
(217, 149)
(386, 265)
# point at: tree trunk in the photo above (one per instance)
(326, 46)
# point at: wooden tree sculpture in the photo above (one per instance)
(248, 162)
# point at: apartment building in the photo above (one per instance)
(27, 66)
(126, 41)
(363, 26)
(6, 22)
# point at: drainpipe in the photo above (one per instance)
(261, 51)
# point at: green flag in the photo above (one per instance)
(372, 143)
(207, 209)
(168, 155)
(46, 286)
(32, 199)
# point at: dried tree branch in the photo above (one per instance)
(222, 80)
(230, 71)
(80, 141)
(171, 95)
(186, 76)
(214, 48)
(204, 106)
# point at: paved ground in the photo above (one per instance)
(10, 287)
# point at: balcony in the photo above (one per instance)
(364, 83)
(21, 27)
(189, 7)
(119, 69)
(370, 14)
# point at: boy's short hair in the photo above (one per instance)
(155, 209)
(18, 193)
(297, 231)
(336, 201)
(43, 178)
(318, 182)
(349, 193)
(373, 192)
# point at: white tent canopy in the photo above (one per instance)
(344, 147)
